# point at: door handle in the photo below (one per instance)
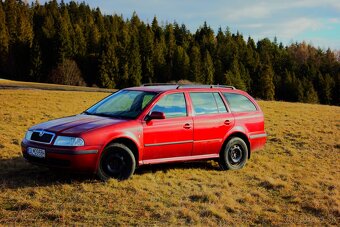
(187, 126)
(227, 122)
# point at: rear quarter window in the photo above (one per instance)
(239, 103)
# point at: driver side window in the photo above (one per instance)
(172, 105)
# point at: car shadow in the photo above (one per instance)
(17, 173)
(165, 167)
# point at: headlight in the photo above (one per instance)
(28, 135)
(69, 141)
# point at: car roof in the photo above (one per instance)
(186, 87)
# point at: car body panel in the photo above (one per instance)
(76, 124)
(209, 132)
(175, 141)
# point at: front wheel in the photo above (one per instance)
(117, 161)
(235, 154)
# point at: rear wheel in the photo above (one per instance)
(235, 154)
(117, 161)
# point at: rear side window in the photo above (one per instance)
(239, 103)
(207, 103)
(172, 105)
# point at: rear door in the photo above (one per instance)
(212, 121)
(170, 137)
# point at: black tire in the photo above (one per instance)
(234, 155)
(117, 161)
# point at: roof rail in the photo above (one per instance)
(188, 85)
(204, 86)
(224, 86)
(157, 84)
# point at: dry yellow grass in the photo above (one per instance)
(294, 180)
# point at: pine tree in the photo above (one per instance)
(147, 53)
(181, 64)
(208, 68)
(266, 85)
(182, 35)
(94, 40)
(336, 91)
(156, 29)
(251, 62)
(4, 41)
(36, 62)
(159, 59)
(47, 37)
(204, 36)
(219, 57)
(326, 85)
(11, 12)
(310, 95)
(25, 28)
(79, 42)
(64, 42)
(245, 77)
(195, 65)
(171, 48)
(124, 55)
(233, 77)
(135, 65)
(108, 66)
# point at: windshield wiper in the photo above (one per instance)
(97, 114)
(87, 113)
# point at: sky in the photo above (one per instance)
(316, 22)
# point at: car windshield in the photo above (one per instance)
(122, 104)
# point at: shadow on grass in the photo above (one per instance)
(165, 167)
(18, 173)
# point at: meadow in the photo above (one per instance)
(294, 180)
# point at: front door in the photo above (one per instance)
(172, 137)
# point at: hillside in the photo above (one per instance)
(295, 179)
(12, 84)
(71, 43)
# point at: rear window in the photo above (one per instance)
(239, 103)
(207, 103)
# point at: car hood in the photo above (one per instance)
(76, 124)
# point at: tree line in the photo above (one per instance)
(74, 44)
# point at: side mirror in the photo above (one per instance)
(156, 115)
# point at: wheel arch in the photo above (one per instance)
(129, 143)
(240, 135)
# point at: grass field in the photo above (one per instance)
(294, 180)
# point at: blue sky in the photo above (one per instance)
(315, 21)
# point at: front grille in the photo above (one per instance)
(42, 136)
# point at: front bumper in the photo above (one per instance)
(79, 159)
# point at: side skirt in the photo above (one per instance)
(179, 159)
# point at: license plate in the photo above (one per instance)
(36, 152)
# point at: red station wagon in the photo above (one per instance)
(151, 124)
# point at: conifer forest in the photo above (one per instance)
(74, 44)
